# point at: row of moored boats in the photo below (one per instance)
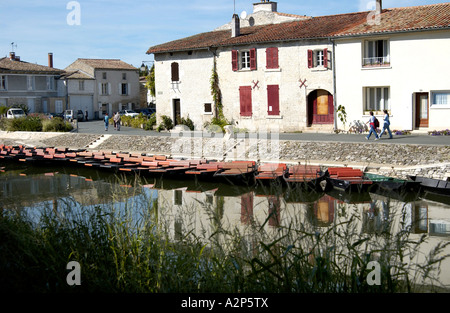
(309, 177)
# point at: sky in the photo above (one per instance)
(118, 29)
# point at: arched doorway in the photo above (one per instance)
(320, 108)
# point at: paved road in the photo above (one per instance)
(97, 127)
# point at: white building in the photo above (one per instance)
(397, 61)
(283, 72)
(31, 85)
(116, 86)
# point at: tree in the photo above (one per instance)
(151, 81)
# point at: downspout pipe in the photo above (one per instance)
(334, 82)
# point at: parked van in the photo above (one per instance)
(15, 113)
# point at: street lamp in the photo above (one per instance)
(143, 68)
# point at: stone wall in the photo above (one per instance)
(396, 160)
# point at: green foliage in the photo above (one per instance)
(3, 110)
(186, 121)
(342, 114)
(28, 123)
(166, 124)
(128, 248)
(217, 123)
(35, 123)
(56, 124)
(151, 81)
(216, 92)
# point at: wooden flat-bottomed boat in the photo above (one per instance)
(348, 179)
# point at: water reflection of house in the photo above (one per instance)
(28, 191)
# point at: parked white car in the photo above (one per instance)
(128, 113)
(15, 113)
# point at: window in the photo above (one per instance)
(243, 60)
(273, 99)
(376, 53)
(104, 75)
(376, 99)
(124, 76)
(245, 96)
(178, 197)
(175, 72)
(123, 89)
(318, 58)
(105, 89)
(2, 82)
(440, 99)
(50, 83)
(272, 58)
(30, 83)
(81, 85)
(208, 108)
(58, 106)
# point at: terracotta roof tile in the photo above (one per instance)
(8, 65)
(351, 24)
(112, 64)
(434, 16)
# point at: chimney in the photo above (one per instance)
(379, 7)
(235, 26)
(265, 5)
(12, 56)
(50, 59)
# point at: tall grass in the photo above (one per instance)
(129, 245)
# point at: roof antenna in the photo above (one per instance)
(12, 46)
(234, 10)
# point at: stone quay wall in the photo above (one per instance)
(395, 160)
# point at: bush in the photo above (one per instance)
(56, 124)
(186, 121)
(151, 122)
(28, 123)
(166, 124)
(35, 123)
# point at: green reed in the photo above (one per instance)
(131, 245)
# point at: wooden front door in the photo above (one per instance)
(422, 110)
(322, 107)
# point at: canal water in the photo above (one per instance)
(197, 208)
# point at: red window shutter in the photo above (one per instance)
(234, 60)
(253, 59)
(272, 58)
(245, 95)
(310, 59)
(273, 99)
(325, 58)
(246, 208)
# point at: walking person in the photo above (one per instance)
(373, 127)
(86, 115)
(106, 120)
(386, 124)
(117, 121)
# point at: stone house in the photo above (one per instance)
(275, 71)
(286, 72)
(33, 85)
(102, 86)
(396, 60)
